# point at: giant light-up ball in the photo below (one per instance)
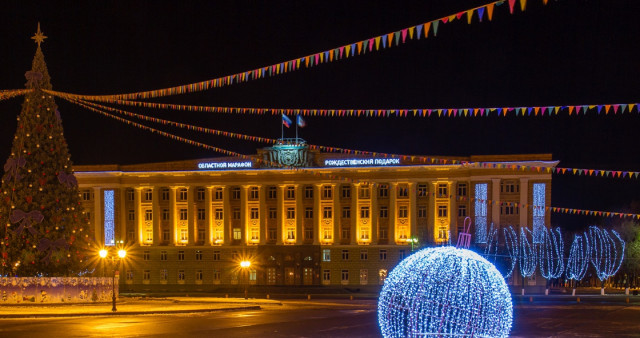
(446, 291)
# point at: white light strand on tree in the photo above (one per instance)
(527, 257)
(551, 254)
(511, 243)
(606, 255)
(579, 258)
(445, 291)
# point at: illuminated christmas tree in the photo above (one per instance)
(44, 230)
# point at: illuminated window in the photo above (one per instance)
(403, 212)
(364, 192)
(383, 191)
(149, 236)
(326, 255)
(442, 211)
(184, 235)
(165, 194)
(327, 233)
(364, 276)
(255, 234)
(291, 213)
(327, 212)
(364, 212)
(346, 191)
(291, 234)
(422, 190)
(442, 233)
(382, 274)
(364, 233)
(271, 276)
(182, 194)
(183, 214)
(255, 214)
(237, 234)
(200, 194)
(308, 213)
(384, 211)
(327, 192)
(235, 193)
(308, 192)
(254, 193)
(148, 215)
(253, 275)
(443, 190)
(291, 193)
(148, 194)
(346, 212)
(218, 194)
(462, 189)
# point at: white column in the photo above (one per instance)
(97, 221)
(524, 199)
(495, 204)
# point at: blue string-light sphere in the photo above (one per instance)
(445, 291)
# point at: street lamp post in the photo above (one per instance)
(114, 261)
(245, 265)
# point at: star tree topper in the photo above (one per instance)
(39, 37)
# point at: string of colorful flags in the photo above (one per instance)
(9, 93)
(342, 52)
(412, 158)
(571, 110)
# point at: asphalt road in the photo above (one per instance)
(323, 319)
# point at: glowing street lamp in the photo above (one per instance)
(245, 265)
(115, 260)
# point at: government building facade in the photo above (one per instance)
(301, 217)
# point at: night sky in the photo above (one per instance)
(568, 52)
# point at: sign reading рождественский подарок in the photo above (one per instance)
(361, 162)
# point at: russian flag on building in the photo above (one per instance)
(286, 121)
(301, 122)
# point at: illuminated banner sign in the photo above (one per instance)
(358, 162)
(225, 165)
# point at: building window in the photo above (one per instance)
(401, 254)
(364, 192)
(184, 235)
(326, 255)
(183, 214)
(422, 190)
(443, 190)
(131, 215)
(235, 213)
(364, 212)
(508, 210)
(145, 255)
(383, 255)
(164, 275)
(308, 213)
(253, 275)
(346, 191)
(383, 233)
(148, 215)
(422, 211)
(346, 212)
(364, 233)
(403, 191)
(345, 255)
(308, 192)
(327, 212)
(272, 193)
(462, 211)
(198, 255)
(327, 192)
(254, 193)
(308, 233)
(148, 194)
(462, 189)
(442, 211)
(180, 275)
(364, 276)
(327, 233)
(291, 234)
(237, 234)
(384, 211)
(291, 213)
(403, 212)
(346, 233)
(273, 213)
(163, 255)
(216, 255)
(255, 214)
(130, 195)
(165, 235)
(383, 191)
(382, 273)
(198, 275)
(146, 275)
(86, 195)
(182, 194)
(200, 194)
(130, 275)
(364, 254)
(165, 214)
(164, 194)
(218, 194)
(345, 277)
(272, 234)
(180, 255)
(235, 193)
(326, 276)
(219, 214)
(201, 215)
(291, 193)
(508, 187)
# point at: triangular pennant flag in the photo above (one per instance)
(490, 11)
(435, 27)
(480, 13)
(523, 4)
(469, 16)
(419, 30)
(511, 4)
